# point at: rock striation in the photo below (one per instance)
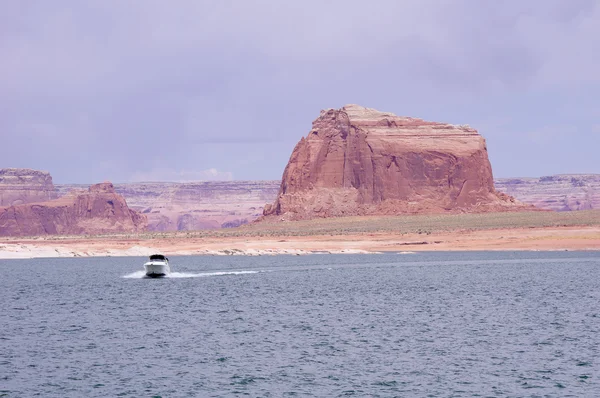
(174, 206)
(359, 161)
(564, 192)
(98, 210)
(19, 186)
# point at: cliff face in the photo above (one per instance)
(99, 210)
(19, 186)
(172, 206)
(560, 192)
(358, 161)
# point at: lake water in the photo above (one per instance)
(489, 324)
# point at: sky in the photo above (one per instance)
(184, 90)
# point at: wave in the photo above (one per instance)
(206, 274)
(135, 275)
(142, 274)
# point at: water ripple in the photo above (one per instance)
(429, 324)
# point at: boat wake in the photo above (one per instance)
(142, 274)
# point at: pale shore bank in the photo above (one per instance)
(539, 238)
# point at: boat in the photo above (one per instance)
(157, 267)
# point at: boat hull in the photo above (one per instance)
(157, 269)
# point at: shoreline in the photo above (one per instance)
(571, 238)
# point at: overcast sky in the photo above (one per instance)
(137, 90)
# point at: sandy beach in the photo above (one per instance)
(540, 238)
(536, 230)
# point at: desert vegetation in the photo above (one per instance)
(403, 224)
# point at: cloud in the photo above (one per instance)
(204, 80)
(107, 46)
(172, 175)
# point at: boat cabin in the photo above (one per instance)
(158, 257)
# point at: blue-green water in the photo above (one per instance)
(490, 324)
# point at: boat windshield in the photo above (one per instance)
(158, 257)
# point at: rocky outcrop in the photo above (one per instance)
(359, 161)
(19, 186)
(98, 210)
(172, 206)
(565, 192)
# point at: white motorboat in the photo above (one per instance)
(157, 267)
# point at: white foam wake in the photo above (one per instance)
(142, 274)
(205, 274)
(135, 275)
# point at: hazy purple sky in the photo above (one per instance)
(130, 90)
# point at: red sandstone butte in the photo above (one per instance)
(98, 210)
(359, 161)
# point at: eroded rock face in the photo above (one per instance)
(98, 210)
(566, 192)
(359, 161)
(19, 186)
(174, 206)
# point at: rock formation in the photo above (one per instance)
(172, 206)
(19, 186)
(564, 192)
(98, 210)
(359, 161)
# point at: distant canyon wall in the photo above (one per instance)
(172, 206)
(566, 192)
(221, 204)
(20, 186)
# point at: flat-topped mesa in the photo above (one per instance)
(18, 186)
(97, 210)
(564, 192)
(103, 187)
(359, 161)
